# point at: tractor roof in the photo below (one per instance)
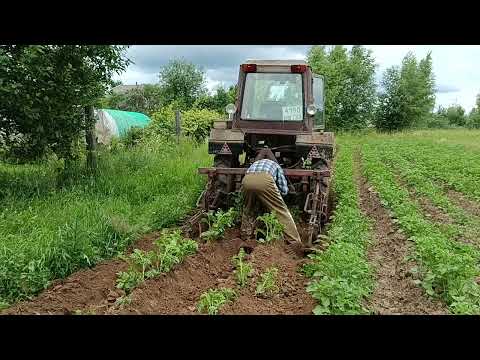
(276, 62)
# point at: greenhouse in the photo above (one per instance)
(115, 123)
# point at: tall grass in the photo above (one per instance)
(47, 232)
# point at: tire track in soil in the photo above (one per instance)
(395, 292)
(177, 292)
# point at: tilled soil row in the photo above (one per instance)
(438, 216)
(395, 291)
(461, 200)
(93, 291)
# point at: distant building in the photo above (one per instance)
(122, 89)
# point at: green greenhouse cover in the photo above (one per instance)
(128, 119)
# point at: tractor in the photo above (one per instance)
(279, 108)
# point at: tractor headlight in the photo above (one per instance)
(311, 109)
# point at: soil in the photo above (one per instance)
(437, 215)
(395, 291)
(461, 200)
(93, 291)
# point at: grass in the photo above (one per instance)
(48, 232)
(341, 276)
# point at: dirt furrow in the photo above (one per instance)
(93, 291)
(462, 201)
(395, 292)
(84, 290)
(179, 292)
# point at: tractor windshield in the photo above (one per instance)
(273, 96)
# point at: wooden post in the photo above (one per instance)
(90, 138)
(177, 125)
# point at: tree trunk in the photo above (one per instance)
(90, 138)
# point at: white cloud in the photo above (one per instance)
(455, 66)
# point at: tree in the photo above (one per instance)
(45, 88)
(473, 120)
(146, 100)
(219, 100)
(350, 89)
(181, 82)
(454, 114)
(408, 95)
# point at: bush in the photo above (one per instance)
(133, 136)
(195, 123)
(436, 121)
(473, 121)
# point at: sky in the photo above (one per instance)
(455, 67)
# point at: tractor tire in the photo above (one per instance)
(223, 182)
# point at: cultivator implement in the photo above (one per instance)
(311, 192)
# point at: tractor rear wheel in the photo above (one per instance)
(223, 183)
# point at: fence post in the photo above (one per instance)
(177, 125)
(90, 138)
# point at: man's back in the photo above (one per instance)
(271, 167)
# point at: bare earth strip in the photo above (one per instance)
(93, 291)
(395, 292)
(461, 200)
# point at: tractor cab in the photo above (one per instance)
(278, 96)
(279, 106)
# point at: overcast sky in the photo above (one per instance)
(456, 67)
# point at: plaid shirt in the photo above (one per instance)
(271, 167)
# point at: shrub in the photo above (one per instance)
(195, 123)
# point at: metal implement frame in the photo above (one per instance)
(315, 203)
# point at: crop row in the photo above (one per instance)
(341, 277)
(448, 269)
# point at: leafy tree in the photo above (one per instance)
(219, 100)
(182, 83)
(44, 89)
(473, 120)
(350, 89)
(408, 95)
(146, 99)
(454, 115)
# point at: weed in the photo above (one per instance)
(267, 285)
(212, 300)
(242, 269)
(273, 228)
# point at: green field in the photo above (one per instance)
(48, 232)
(426, 181)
